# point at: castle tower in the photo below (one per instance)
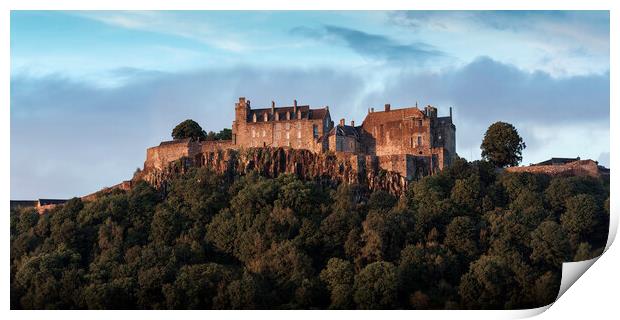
(242, 109)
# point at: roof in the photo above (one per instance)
(306, 113)
(557, 161)
(394, 115)
(345, 131)
(43, 202)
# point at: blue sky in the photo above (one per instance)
(90, 91)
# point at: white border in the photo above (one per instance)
(587, 298)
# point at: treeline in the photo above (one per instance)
(468, 237)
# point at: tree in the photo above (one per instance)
(502, 145)
(375, 286)
(224, 134)
(550, 244)
(338, 275)
(188, 129)
(488, 284)
(461, 235)
(580, 216)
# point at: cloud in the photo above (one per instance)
(603, 159)
(543, 108)
(576, 31)
(182, 24)
(69, 137)
(371, 45)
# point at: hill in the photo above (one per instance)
(468, 237)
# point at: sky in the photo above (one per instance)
(91, 90)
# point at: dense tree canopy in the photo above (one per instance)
(502, 145)
(224, 134)
(188, 129)
(467, 237)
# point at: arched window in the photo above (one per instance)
(265, 117)
(254, 117)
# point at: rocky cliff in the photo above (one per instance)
(325, 168)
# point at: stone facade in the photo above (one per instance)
(565, 168)
(296, 126)
(409, 141)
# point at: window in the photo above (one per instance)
(315, 131)
(419, 141)
(298, 134)
(411, 142)
(263, 132)
(265, 117)
(419, 122)
(253, 133)
(254, 117)
(288, 136)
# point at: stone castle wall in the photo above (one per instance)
(575, 168)
(158, 157)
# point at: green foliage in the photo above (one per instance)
(338, 275)
(375, 286)
(224, 134)
(489, 283)
(550, 244)
(462, 236)
(188, 129)
(580, 216)
(502, 145)
(468, 237)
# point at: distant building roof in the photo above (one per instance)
(44, 202)
(344, 131)
(23, 203)
(557, 161)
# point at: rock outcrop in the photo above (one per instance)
(325, 168)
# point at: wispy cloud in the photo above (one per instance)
(564, 30)
(171, 23)
(370, 45)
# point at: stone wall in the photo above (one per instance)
(576, 168)
(159, 156)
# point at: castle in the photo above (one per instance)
(409, 141)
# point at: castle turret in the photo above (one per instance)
(242, 110)
(430, 111)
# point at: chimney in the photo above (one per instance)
(273, 107)
(352, 123)
(450, 113)
(387, 107)
(295, 106)
(372, 110)
(342, 122)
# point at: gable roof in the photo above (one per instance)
(394, 115)
(306, 113)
